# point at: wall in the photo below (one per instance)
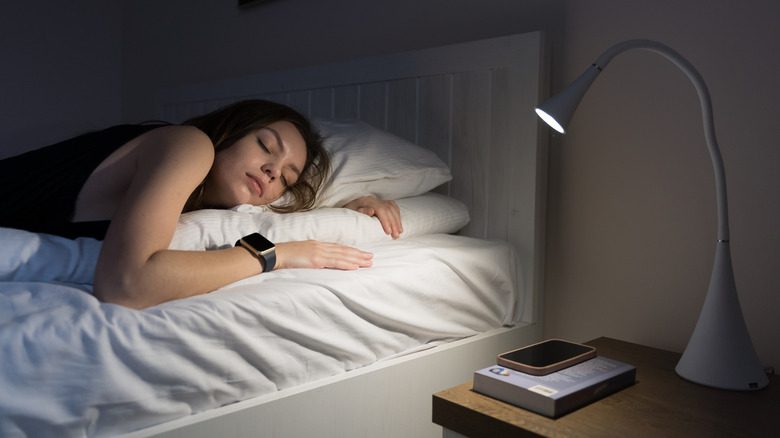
(60, 70)
(190, 41)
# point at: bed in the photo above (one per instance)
(449, 132)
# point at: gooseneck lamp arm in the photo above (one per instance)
(720, 353)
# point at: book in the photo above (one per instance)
(558, 393)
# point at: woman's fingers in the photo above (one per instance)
(390, 218)
(318, 255)
(387, 212)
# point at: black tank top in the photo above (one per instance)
(38, 189)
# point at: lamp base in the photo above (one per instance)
(720, 353)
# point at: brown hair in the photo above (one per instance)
(229, 124)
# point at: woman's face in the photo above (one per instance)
(257, 169)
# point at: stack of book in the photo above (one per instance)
(558, 393)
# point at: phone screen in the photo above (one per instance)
(546, 353)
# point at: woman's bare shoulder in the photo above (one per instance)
(174, 137)
(175, 149)
(176, 156)
(175, 146)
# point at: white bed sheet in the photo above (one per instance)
(72, 366)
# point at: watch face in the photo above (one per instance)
(258, 242)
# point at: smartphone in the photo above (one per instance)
(546, 357)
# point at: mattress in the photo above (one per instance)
(73, 366)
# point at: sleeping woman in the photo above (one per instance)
(129, 184)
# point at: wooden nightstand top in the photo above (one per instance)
(660, 404)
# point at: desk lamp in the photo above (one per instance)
(720, 353)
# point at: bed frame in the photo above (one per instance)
(470, 103)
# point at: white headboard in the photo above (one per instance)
(470, 103)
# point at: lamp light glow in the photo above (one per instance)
(720, 353)
(550, 120)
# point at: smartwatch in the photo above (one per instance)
(260, 247)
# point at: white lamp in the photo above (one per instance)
(719, 353)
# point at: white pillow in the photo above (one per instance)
(369, 161)
(213, 229)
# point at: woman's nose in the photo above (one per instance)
(271, 170)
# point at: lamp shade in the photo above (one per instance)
(720, 353)
(558, 110)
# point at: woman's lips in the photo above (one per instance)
(256, 184)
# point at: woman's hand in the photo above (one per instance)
(387, 212)
(318, 255)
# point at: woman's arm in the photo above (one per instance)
(135, 267)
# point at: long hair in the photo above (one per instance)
(229, 124)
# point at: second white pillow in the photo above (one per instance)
(370, 161)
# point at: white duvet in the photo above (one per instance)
(73, 366)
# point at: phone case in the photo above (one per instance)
(589, 353)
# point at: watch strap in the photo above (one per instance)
(270, 260)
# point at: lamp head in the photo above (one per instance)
(558, 110)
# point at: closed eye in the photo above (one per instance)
(267, 151)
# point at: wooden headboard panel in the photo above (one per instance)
(470, 103)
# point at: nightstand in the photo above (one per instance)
(660, 404)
